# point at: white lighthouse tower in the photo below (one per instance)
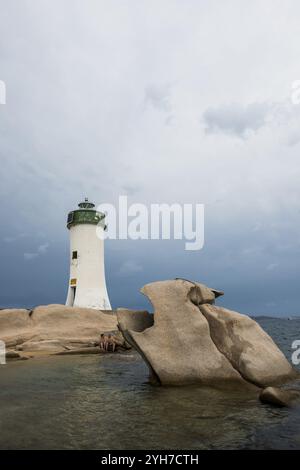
(87, 286)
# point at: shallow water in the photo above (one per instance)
(94, 402)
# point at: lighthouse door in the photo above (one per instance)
(73, 293)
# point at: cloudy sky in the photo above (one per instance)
(163, 101)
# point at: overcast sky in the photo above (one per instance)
(165, 101)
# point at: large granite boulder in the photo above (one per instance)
(63, 322)
(15, 326)
(50, 345)
(178, 347)
(136, 320)
(200, 293)
(189, 340)
(53, 326)
(247, 346)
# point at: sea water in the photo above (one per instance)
(106, 402)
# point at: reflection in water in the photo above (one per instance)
(107, 403)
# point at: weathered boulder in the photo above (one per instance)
(12, 355)
(178, 347)
(135, 320)
(201, 294)
(15, 356)
(247, 346)
(189, 340)
(50, 345)
(15, 326)
(280, 397)
(61, 323)
(14, 319)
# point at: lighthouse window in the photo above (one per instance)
(70, 217)
(74, 254)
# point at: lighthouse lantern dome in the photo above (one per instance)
(86, 214)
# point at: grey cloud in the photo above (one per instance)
(293, 139)
(81, 121)
(236, 119)
(272, 266)
(41, 250)
(159, 96)
(169, 120)
(130, 190)
(30, 256)
(14, 238)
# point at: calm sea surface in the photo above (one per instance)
(93, 402)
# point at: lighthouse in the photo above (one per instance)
(87, 286)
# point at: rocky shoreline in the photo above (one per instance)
(188, 340)
(56, 329)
